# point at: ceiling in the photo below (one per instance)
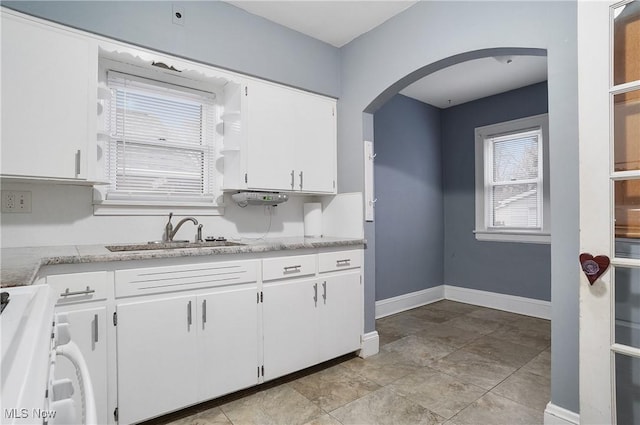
(337, 22)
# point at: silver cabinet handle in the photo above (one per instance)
(324, 294)
(95, 328)
(301, 179)
(204, 312)
(78, 156)
(315, 293)
(344, 262)
(189, 313)
(295, 268)
(292, 178)
(68, 293)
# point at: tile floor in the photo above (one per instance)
(445, 363)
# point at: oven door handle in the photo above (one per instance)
(71, 351)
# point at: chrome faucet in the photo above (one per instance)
(170, 231)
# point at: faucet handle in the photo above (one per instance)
(168, 229)
(199, 235)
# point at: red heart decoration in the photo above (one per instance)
(594, 267)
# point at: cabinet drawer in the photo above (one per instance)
(154, 280)
(79, 287)
(279, 268)
(341, 260)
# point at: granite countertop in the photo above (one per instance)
(20, 265)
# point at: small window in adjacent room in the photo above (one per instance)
(512, 181)
(160, 146)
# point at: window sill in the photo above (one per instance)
(512, 236)
(132, 208)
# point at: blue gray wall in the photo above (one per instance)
(432, 31)
(214, 32)
(408, 182)
(520, 269)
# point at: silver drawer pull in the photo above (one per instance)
(324, 295)
(204, 312)
(292, 268)
(189, 321)
(87, 291)
(315, 293)
(344, 262)
(95, 328)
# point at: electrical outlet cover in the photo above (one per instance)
(14, 201)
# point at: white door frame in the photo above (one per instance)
(593, 133)
(597, 395)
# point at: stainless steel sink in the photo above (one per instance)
(170, 245)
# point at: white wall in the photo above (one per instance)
(63, 215)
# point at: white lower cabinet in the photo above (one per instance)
(157, 357)
(81, 303)
(228, 341)
(159, 339)
(309, 321)
(289, 323)
(340, 315)
(178, 350)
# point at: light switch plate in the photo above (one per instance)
(15, 201)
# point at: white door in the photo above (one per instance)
(88, 329)
(314, 143)
(157, 362)
(270, 164)
(227, 340)
(340, 320)
(290, 324)
(609, 117)
(49, 79)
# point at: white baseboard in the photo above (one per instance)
(512, 303)
(556, 415)
(370, 345)
(405, 302)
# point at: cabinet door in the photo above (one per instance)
(88, 329)
(289, 319)
(315, 143)
(157, 362)
(49, 79)
(227, 340)
(270, 137)
(340, 318)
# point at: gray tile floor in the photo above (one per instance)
(445, 363)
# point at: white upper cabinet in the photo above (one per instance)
(288, 142)
(49, 80)
(314, 143)
(271, 137)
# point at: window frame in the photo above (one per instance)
(104, 206)
(485, 137)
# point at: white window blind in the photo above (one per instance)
(513, 180)
(161, 144)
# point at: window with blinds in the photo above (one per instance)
(161, 142)
(514, 180)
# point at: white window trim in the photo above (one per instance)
(482, 231)
(112, 59)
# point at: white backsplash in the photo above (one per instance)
(63, 215)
